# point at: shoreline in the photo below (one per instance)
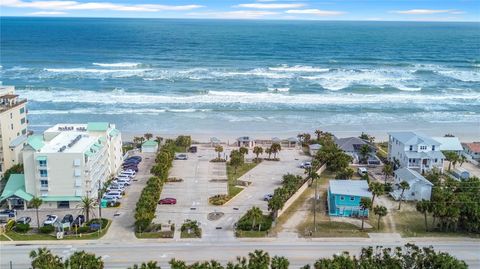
(465, 132)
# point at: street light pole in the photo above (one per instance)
(315, 208)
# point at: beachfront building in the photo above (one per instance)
(344, 196)
(313, 149)
(472, 150)
(419, 187)
(245, 141)
(71, 161)
(13, 127)
(352, 145)
(449, 143)
(149, 146)
(415, 151)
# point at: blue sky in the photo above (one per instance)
(397, 10)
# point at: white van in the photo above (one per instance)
(362, 171)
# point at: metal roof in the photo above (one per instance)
(16, 187)
(449, 143)
(97, 126)
(412, 138)
(411, 176)
(350, 187)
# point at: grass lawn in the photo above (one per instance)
(254, 234)
(3, 238)
(185, 234)
(232, 177)
(148, 235)
(331, 229)
(28, 236)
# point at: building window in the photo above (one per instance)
(44, 183)
(42, 163)
(24, 131)
(352, 198)
(11, 126)
(43, 173)
(342, 198)
(63, 204)
(433, 148)
(436, 160)
(22, 110)
(22, 121)
(411, 147)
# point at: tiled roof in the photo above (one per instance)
(474, 147)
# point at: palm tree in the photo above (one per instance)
(218, 150)
(377, 189)
(319, 133)
(87, 205)
(255, 214)
(452, 157)
(276, 147)
(159, 140)
(387, 170)
(82, 259)
(257, 151)
(380, 211)
(136, 141)
(403, 186)
(148, 136)
(44, 259)
(364, 152)
(269, 152)
(258, 259)
(141, 140)
(365, 204)
(306, 138)
(243, 151)
(36, 203)
(462, 159)
(300, 138)
(423, 207)
(148, 265)
(279, 263)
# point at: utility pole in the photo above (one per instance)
(99, 197)
(315, 208)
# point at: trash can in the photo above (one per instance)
(103, 203)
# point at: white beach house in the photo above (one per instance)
(415, 151)
(419, 187)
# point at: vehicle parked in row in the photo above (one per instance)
(113, 194)
(181, 157)
(306, 165)
(67, 219)
(8, 213)
(116, 187)
(79, 220)
(362, 171)
(267, 197)
(51, 219)
(24, 220)
(192, 149)
(167, 201)
(128, 172)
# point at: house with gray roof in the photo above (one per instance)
(450, 144)
(415, 151)
(420, 188)
(352, 145)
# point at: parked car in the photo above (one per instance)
(24, 220)
(267, 197)
(79, 220)
(362, 171)
(181, 157)
(306, 165)
(51, 219)
(116, 187)
(67, 219)
(123, 182)
(138, 158)
(126, 174)
(192, 149)
(8, 213)
(113, 194)
(134, 168)
(167, 201)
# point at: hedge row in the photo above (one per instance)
(147, 203)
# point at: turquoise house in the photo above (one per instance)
(344, 197)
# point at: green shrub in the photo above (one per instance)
(219, 199)
(46, 229)
(83, 229)
(22, 228)
(248, 223)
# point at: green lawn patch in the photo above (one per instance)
(331, 229)
(3, 238)
(233, 177)
(150, 235)
(253, 234)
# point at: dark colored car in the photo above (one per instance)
(24, 220)
(79, 220)
(168, 201)
(192, 149)
(135, 158)
(67, 219)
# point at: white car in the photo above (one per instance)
(51, 219)
(116, 187)
(113, 194)
(123, 182)
(129, 173)
(306, 165)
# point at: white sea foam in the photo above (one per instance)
(93, 70)
(298, 68)
(125, 64)
(235, 97)
(463, 75)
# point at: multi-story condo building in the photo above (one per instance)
(415, 151)
(71, 161)
(13, 127)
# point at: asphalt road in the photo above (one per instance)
(299, 252)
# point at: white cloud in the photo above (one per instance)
(270, 6)
(238, 14)
(46, 13)
(74, 5)
(424, 11)
(315, 11)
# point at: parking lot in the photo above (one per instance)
(202, 179)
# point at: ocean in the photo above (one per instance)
(232, 77)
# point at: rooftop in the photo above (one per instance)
(98, 126)
(474, 147)
(150, 143)
(69, 142)
(350, 187)
(411, 176)
(15, 187)
(449, 143)
(413, 138)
